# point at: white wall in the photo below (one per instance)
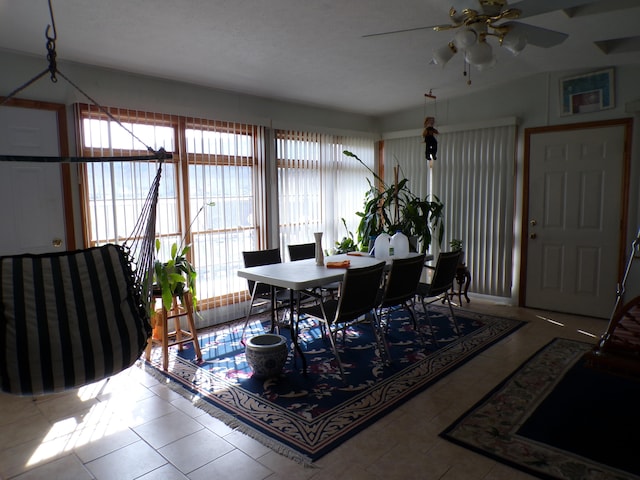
(117, 89)
(533, 100)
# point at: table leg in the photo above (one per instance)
(294, 330)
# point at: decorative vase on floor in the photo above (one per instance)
(266, 354)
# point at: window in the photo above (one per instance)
(214, 191)
(207, 198)
(318, 185)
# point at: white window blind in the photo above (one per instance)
(318, 185)
(213, 163)
(474, 177)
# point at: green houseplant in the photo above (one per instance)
(394, 207)
(174, 276)
(455, 244)
(348, 243)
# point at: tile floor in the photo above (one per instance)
(133, 427)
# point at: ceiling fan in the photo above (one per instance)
(477, 20)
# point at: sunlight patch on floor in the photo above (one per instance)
(79, 429)
(560, 324)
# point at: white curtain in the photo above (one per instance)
(474, 177)
(318, 186)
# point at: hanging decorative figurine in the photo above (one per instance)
(429, 133)
(431, 143)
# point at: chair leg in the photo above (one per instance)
(246, 322)
(412, 314)
(426, 314)
(453, 317)
(335, 352)
(381, 338)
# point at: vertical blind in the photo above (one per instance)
(211, 193)
(215, 191)
(318, 185)
(474, 177)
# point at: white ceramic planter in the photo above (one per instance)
(266, 354)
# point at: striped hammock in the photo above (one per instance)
(71, 318)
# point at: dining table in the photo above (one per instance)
(306, 275)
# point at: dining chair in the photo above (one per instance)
(355, 304)
(444, 274)
(400, 287)
(303, 251)
(262, 293)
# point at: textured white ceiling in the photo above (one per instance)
(309, 51)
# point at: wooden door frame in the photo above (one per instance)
(65, 169)
(627, 123)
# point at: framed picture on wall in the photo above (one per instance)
(590, 92)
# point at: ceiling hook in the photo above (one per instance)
(49, 27)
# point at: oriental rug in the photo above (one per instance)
(306, 416)
(556, 417)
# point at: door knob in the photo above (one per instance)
(533, 223)
(56, 242)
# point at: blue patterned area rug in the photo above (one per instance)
(556, 417)
(306, 416)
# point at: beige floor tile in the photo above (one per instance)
(126, 463)
(65, 468)
(109, 442)
(164, 430)
(193, 451)
(248, 445)
(23, 430)
(166, 472)
(235, 465)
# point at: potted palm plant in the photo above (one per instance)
(394, 207)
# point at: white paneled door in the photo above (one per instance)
(32, 213)
(575, 219)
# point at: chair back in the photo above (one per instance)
(302, 251)
(445, 272)
(359, 292)
(402, 281)
(256, 258)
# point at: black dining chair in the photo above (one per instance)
(356, 304)
(400, 287)
(444, 274)
(262, 293)
(304, 251)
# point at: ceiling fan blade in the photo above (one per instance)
(406, 30)
(538, 7)
(538, 36)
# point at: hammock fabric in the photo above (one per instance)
(68, 319)
(72, 318)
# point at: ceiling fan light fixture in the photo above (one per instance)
(480, 54)
(514, 41)
(465, 38)
(443, 54)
